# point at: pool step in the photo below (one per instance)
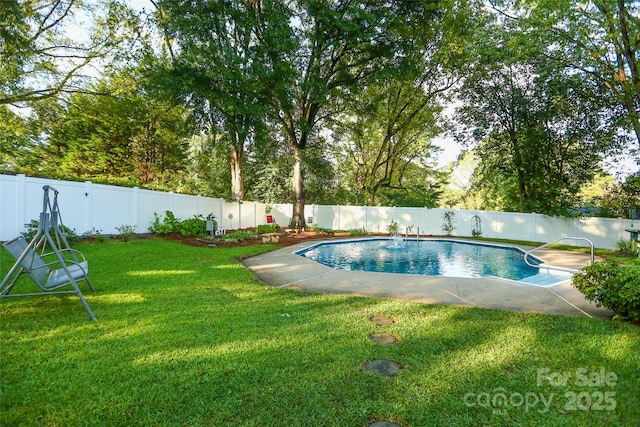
(547, 277)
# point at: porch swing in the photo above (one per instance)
(61, 267)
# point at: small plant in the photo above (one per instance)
(628, 248)
(477, 226)
(357, 232)
(610, 285)
(393, 227)
(126, 231)
(238, 235)
(95, 235)
(164, 226)
(448, 219)
(267, 228)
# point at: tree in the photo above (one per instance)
(319, 53)
(214, 59)
(384, 136)
(15, 139)
(619, 198)
(598, 39)
(540, 136)
(40, 58)
(129, 139)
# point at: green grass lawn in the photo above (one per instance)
(187, 336)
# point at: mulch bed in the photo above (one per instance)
(286, 239)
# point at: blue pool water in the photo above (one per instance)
(433, 257)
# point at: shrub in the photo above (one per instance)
(613, 286)
(357, 232)
(32, 229)
(196, 226)
(166, 225)
(628, 248)
(268, 228)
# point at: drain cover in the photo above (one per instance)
(383, 339)
(383, 424)
(380, 320)
(382, 367)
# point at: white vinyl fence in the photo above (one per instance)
(85, 207)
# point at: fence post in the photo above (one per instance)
(221, 202)
(366, 219)
(136, 209)
(533, 227)
(21, 192)
(88, 206)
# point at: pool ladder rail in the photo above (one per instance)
(553, 267)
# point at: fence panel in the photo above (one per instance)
(111, 207)
(11, 207)
(377, 218)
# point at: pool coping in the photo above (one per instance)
(283, 268)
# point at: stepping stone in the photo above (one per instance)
(380, 320)
(383, 424)
(382, 367)
(383, 339)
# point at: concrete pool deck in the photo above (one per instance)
(282, 268)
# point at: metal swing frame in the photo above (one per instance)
(60, 268)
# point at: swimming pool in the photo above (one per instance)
(433, 257)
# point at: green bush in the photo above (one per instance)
(268, 228)
(357, 232)
(238, 235)
(628, 248)
(196, 226)
(32, 229)
(166, 225)
(611, 285)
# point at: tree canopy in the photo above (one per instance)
(41, 55)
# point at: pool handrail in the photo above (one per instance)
(553, 267)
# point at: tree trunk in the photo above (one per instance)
(297, 217)
(237, 183)
(370, 198)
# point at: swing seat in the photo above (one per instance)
(41, 271)
(45, 274)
